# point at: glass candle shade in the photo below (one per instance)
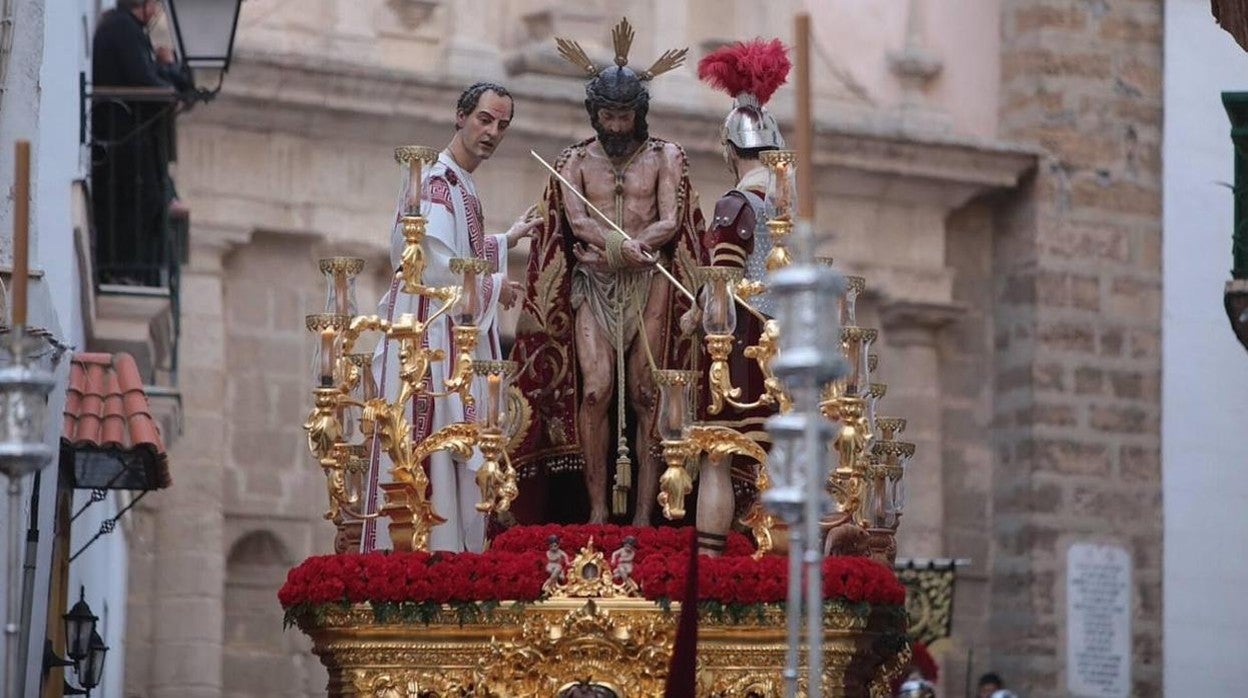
(497, 375)
(470, 270)
(719, 311)
(856, 342)
(340, 273)
(676, 402)
(897, 478)
(875, 497)
(414, 162)
(328, 328)
(889, 427)
(875, 393)
(781, 196)
(355, 471)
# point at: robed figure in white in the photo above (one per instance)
(455, 228)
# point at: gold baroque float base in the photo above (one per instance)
(621, 646)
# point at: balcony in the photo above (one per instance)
(130, 244)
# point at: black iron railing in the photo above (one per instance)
(138, 247)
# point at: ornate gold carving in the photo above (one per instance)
(322, 426)
(675, 483)
(319, 322)
(408, 154)
(538, 649)
(890, 427)
(764, 353)
(771, 158)
(630, 651)
(749, 289)
(719, 346)
(495, 478)
(590, 577)
(459, 382)
(779, 257)
(347, 266)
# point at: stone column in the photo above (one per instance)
(911, 368)
(187, 615)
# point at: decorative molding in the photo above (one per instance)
(911, 323)
(298, 94)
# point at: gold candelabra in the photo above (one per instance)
(350, 418)
(865, 478)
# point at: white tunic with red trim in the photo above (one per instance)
(455, 229)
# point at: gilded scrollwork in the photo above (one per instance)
(536, 650)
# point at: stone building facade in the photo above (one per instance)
(992, 167)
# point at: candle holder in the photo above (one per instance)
(328, 328)
(781, 196)
(465, 315)
(856, 342)
(496, 478)
(676, 401)
(340, 273)
(414, 161)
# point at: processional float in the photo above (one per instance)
(526, 618)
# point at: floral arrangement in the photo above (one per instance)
(410, 587)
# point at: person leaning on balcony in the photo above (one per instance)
(131, 189)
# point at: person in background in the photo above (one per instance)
(131, 145)
(989, 684)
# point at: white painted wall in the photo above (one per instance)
(1204, 369)
(41, 104)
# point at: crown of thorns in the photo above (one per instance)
(622, 37)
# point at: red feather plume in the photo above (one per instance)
(756, 67)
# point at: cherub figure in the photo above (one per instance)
(556, 562)
(622, 560)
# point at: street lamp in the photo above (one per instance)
(205, 31)
(79, 628)
(90, 669)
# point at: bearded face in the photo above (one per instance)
(620, 131)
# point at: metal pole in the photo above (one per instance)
(793, 608)
(813, 559)
(13, 580)
(28, 584)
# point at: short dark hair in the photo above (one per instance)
(991, 678)
(131, 4)
(471, 97)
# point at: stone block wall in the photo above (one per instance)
(1077, 319)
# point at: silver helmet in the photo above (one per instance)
(750, 72)
(750, 125)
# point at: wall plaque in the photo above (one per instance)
(1098, 621)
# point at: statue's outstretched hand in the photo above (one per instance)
(522, 229)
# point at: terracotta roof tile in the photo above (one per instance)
(108, 421)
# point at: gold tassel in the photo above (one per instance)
(619, 501)
(623, 469)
